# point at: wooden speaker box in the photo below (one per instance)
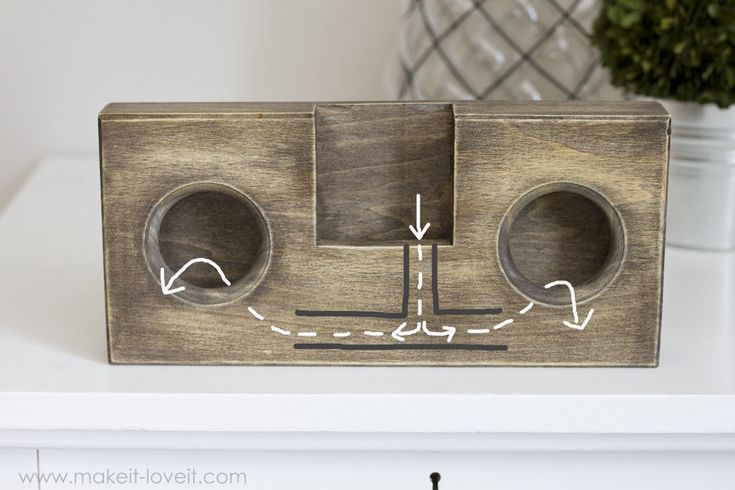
(466, 233)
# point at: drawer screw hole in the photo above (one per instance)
(435, 477)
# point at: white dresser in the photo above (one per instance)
(66, 413)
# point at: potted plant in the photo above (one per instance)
(682, 52)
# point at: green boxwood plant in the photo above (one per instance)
(675, 49)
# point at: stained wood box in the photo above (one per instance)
(296, 233)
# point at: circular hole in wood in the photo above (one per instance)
(213, 222)
(561, 231)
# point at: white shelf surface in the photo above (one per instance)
(54, 375)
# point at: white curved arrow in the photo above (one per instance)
(400, 333)
(576, 325)
(166, 286)
(447, 331)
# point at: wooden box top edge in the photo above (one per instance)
(461, 109)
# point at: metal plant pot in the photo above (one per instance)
(701, 206)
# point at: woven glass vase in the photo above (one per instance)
(501, 49)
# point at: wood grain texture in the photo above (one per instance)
(560, 234)
(372, 161)
(307, 206)
(215, 226)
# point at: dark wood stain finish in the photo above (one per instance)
(371, 161)
(307, 206)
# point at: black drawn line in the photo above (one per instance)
(435, 292)
(368, 347)
(371, 314)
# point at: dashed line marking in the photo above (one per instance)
(503, 323)
(420, 252)
(255, 313)
(527, 308)
(447, 331)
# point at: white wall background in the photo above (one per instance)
(61, 61)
